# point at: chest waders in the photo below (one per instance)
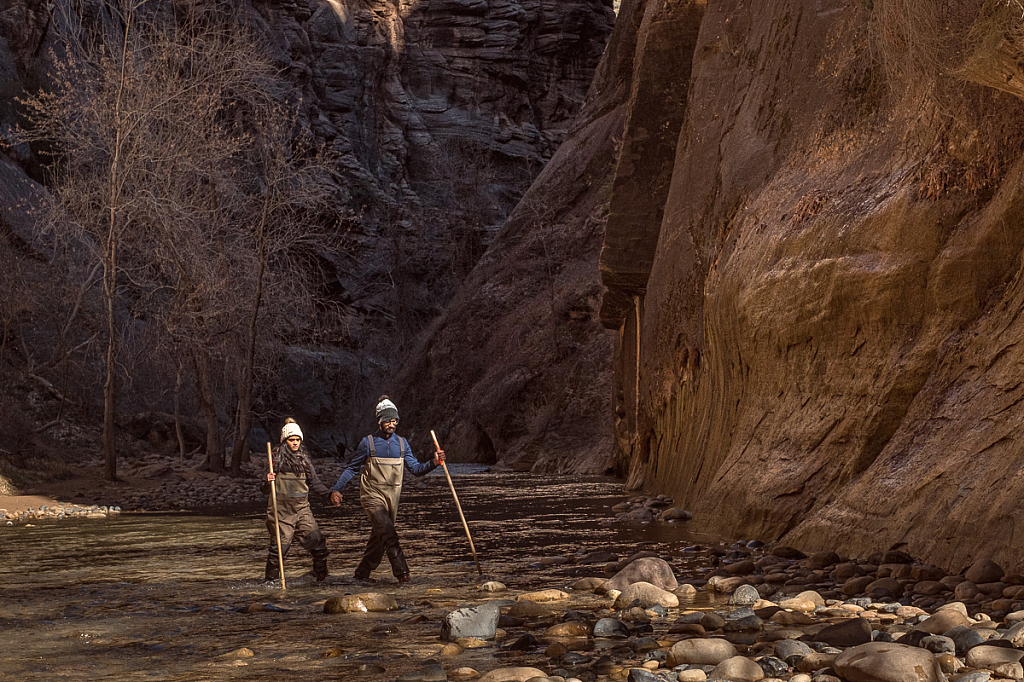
(380, 488)
(295, 519)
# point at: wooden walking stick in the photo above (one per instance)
(458, 506)
(277, 526)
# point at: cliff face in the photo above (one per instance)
(818, 322)
(440, 113)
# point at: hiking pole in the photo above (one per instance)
(458, 506)
(277, 526)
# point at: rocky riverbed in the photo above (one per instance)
(570, 592)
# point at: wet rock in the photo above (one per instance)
(556, 650)
(431, 672)
(244, 652)
(845, 634)
(725, 585)
(772, 666)
(471, 642)
(587, 584)
(948, 663)
(512, 675)
(451, 649)
(675, 514)
(791, 618)
(528, 609)
(492, 586)
(474, 621)
(744, 595)
(646, 595)
(712, 622)
(543, 596)
(360, 603)
(649, 569)
(738, 669)
(749, 623)
(611, 628)
(700, 651)
(882, 662)
(573, 659)
(464, 672)
(987, 656)
(685, 590)
(799, 603)
(569, 629)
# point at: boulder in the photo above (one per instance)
(737, 669)
(473, 621)
(700, 651)
(647, 595)
(651, 570)
(887, 662)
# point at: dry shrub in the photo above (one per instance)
(922, 41)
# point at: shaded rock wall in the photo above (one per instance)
(515, 371)
(817, 337)
(441, 113)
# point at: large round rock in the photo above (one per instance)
(512, 675)
(737, 669)
(644, 570)
(887, 662)
(700, 652)
(647, 595)
(473, 621)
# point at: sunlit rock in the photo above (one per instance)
(473, 621)
(360, 603)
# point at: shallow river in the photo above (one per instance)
(171, 596)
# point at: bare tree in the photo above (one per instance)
(176, 168)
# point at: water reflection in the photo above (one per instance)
(165, 596)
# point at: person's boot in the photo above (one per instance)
(320, 563)
(272, 572)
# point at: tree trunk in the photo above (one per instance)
(245, 389)
(177, 415)
(214, 446)
(109, 389)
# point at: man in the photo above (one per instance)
(383, 457)
(295, 477)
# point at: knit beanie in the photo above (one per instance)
(290, 429)
(385, 409)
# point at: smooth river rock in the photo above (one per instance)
(512, 675)
(647, 594)
(887, 662)
(700, 651)
(651, 570)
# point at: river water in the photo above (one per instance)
(175, 596)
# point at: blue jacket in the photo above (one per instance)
(384, 446)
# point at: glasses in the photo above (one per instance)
(389, 422)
